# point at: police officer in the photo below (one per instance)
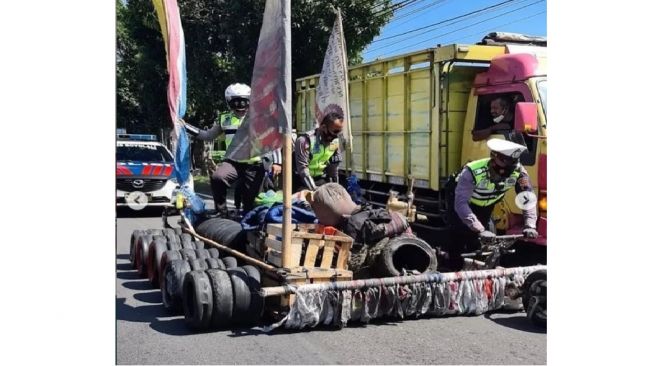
(251, 171)
(479, 186)
(316, 155)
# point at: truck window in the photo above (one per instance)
(484, 120)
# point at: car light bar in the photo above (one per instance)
(136, 137)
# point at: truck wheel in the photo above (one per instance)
(230, 262)
(198, 244)
(224, 231)
(197, 264)
(202, 253)
(188, 253)
(173, 284)
(197, 300)
(136, 234)
(242, 297)
(257, 301)
(405, 252)
(212, 263)
(141, 256)
(214, 253)
(222, 297)
(167, 257)
(534, 297)
(157, 249)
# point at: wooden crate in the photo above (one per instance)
(309, 245)
(316, 257)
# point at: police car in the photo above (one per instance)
(144, 172)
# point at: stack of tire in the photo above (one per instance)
(211, 291)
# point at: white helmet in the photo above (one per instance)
(237, 91)
(506, 148)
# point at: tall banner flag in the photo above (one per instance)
(269, 115)
(173, 36)
(332, 93)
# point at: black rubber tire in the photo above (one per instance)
(155, 232)
(167, 257)
(539, 275)
(202, 253)
(213, 263)
(214, 253)
(224, 231)
(252, 272)
(223, 297)
(173, 284)
(198, 264)
(197, 300)
(172, 236)
(188, 253)
(136, 234)
(230, 262)
(168, 232)
(242, 297)
(185, 237)
(257, 301)
(142, 255)
(187, 245)
(408, 252)
(157, 248)
(198, 244)
(178, 231)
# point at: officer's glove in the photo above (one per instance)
(530, 233)
(486, 235)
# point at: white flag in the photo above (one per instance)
(269, 115)
(332, 94)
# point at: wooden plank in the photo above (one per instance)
(311, 252)
(343, 255)
(272, 243)
(299, 234)
(327, 254)
(296, 248)
(305, 227)
(275, 229)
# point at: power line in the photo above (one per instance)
(391, 25)
(430, 30)
(455, 30)
(393, 8)
(495, 27)
(443, 26)
(443, 21)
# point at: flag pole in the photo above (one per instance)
(287, 154)
(349, 167)
(287, 193)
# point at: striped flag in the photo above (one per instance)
(173, 36)
(332, 93)
(269, 115)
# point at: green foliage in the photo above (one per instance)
(221, 39)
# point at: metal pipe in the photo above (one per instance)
(402, 280)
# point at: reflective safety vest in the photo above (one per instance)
(229, 124)
(320, 155)
(486, 192)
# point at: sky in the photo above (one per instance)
(455, 24)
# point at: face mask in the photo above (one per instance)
(498, 119)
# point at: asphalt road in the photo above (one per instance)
(147, 334)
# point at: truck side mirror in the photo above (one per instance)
(526, 117)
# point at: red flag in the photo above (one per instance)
(269, 114)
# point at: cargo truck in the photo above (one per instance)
(412, 118)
